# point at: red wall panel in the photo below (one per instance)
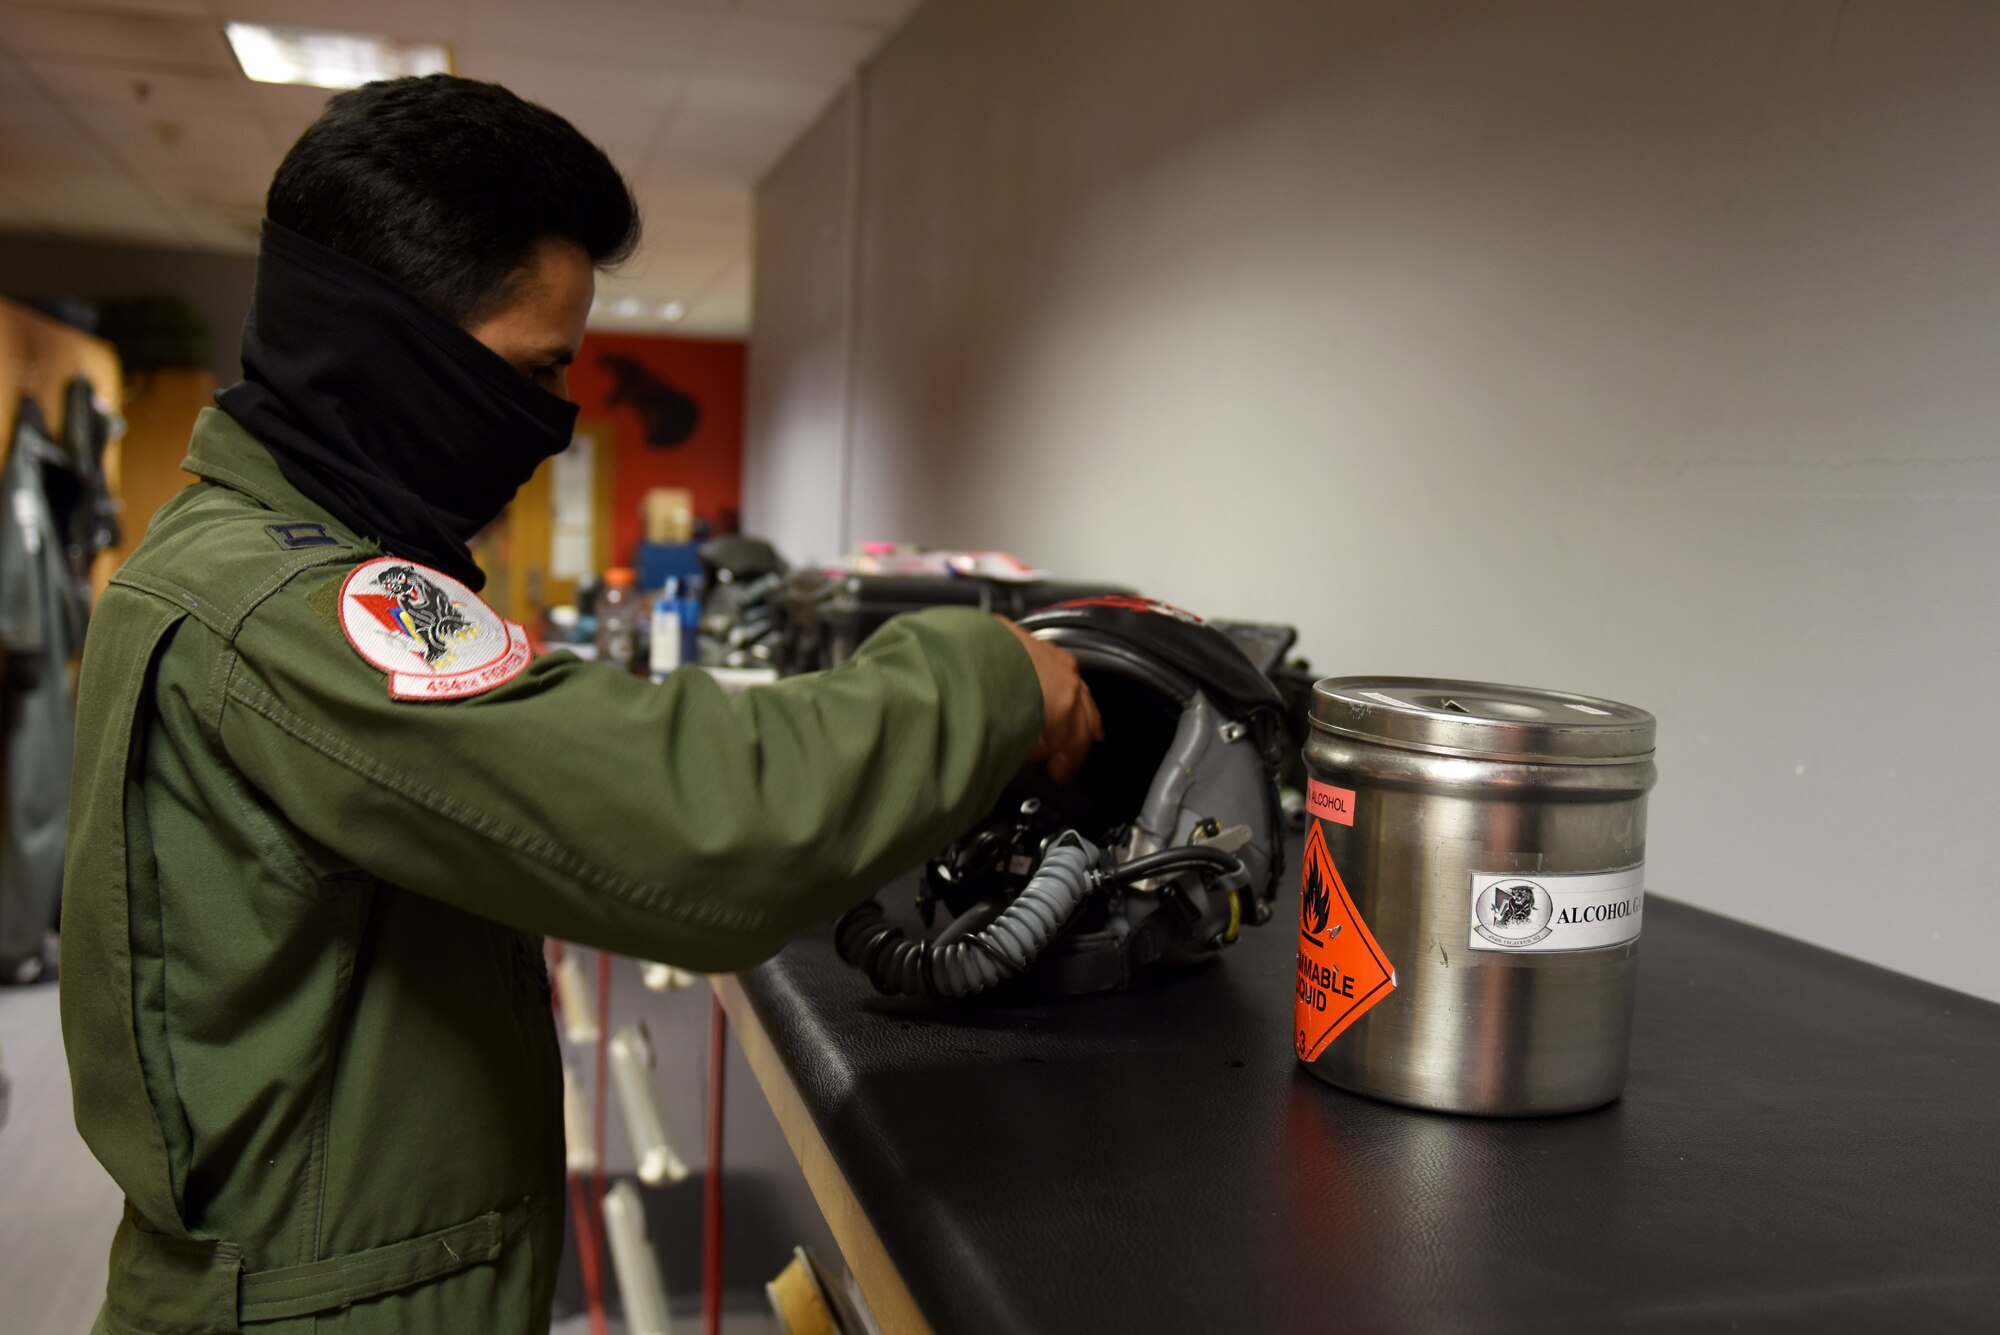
(708, 463)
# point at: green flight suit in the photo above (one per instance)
(43, 610)
(303, 995)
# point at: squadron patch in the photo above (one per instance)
(431, 634)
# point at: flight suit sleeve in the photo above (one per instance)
(666, 821)
(22, 628)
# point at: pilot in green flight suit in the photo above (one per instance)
(326, 804)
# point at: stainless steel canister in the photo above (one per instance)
(1483, 847)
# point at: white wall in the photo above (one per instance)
(795, 479)
(1645, 351)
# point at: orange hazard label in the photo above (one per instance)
(1342, 970)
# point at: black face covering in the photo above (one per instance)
(393, 419)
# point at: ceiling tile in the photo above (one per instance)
(619, 108)
(286, 111)
(669, 272)
(14, 76)
(116, 39)
(559, 82)
(15, 215)
(228, 240)
(204, 140)
(701, 197)
(718, 158)
(626, 138)
(691, 215)
(721, 98)
(105, 204)
(221, 224)
(129, 118)
(654, 35)
(762, 47)
(198, 9)
(206, 192)
(149, 94)
(877, 13)
(727, 150)
(34, 129)
(725, 307)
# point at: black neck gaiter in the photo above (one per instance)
(387, 415)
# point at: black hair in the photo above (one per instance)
(447, 186)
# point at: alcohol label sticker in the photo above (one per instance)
(1342, 970)
(1543, 914)
(1330, 803)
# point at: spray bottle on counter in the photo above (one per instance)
(675, 617)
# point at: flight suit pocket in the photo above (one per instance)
(166, 1285)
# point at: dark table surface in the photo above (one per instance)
(1806, 1143)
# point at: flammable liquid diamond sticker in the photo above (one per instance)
(1342, 970)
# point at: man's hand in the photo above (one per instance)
(1069, 716)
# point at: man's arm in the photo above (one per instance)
(664, 821)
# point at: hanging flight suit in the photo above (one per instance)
(89, 520)
(326, 807)
(42, 612)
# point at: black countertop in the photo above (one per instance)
(1806, 1143)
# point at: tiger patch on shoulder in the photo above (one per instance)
(434, 636)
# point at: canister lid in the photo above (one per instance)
(1473, 718)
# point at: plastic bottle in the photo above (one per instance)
(618, 619)
(666, 647)
(690, 627)
(676, 615)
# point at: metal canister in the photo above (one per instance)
(1482, 849)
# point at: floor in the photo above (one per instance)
(58, 1208)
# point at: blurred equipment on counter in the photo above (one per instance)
(578, 1015)
(1265, 644)
(667, 515)
(662, 562)
(801, 1298)
(632, 1073)
(640, 1289)
(665, 977)
(741, 577)
(1157, 852)
(825, 613)
(1472, 892)
(579, 1143)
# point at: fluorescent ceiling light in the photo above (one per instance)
(320, 59)
(635, 313)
